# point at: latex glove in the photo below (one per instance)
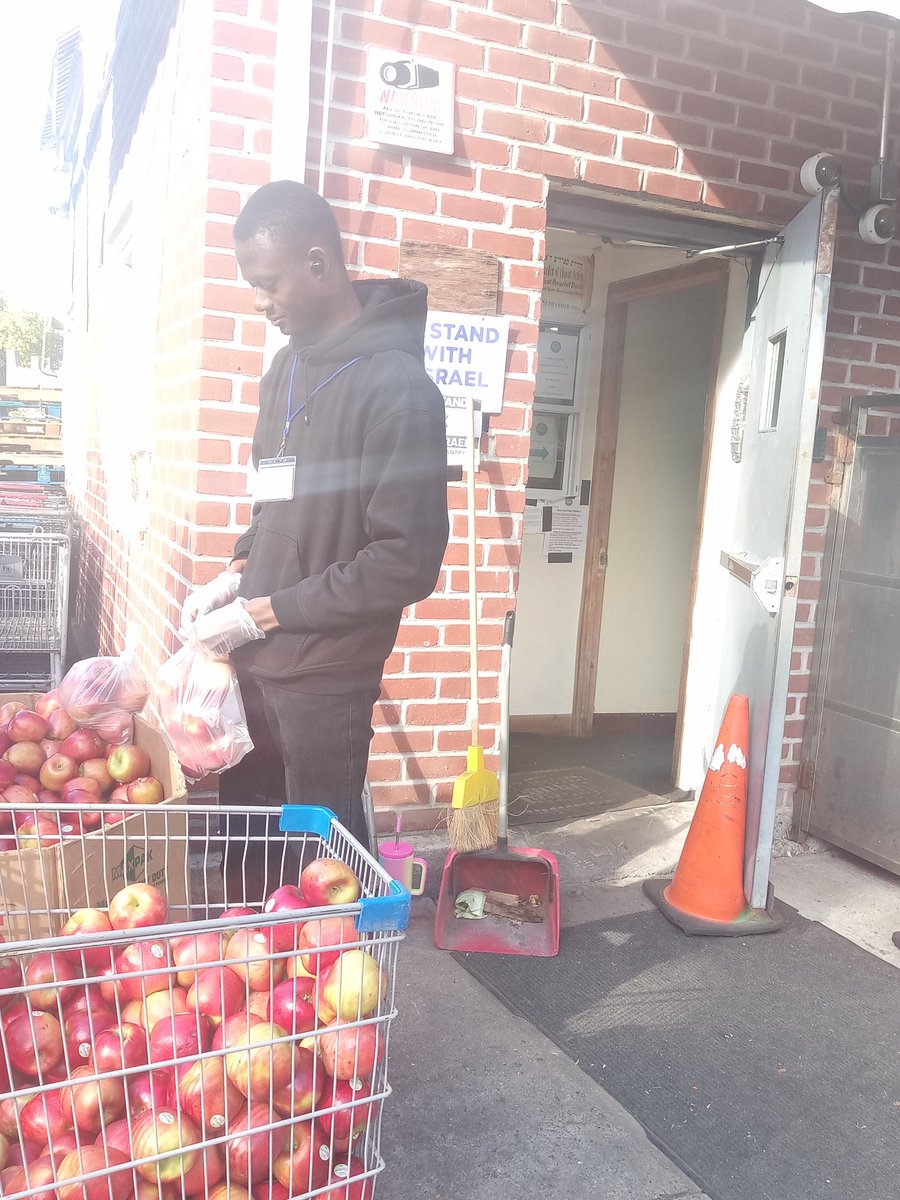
(220, 590)
(226, 628)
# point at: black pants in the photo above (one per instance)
(307, 749)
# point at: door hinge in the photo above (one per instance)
(843, 454)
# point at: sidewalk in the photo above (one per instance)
(486, 1107)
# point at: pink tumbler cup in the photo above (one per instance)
(398, 860)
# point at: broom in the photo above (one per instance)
(474, 808)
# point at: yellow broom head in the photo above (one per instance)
(477, 785)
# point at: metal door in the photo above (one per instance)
(851, 774)
(772, 442)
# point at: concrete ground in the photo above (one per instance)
(486, 1107)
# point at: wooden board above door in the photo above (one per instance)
(458, 280)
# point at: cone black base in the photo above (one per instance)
(751, 920)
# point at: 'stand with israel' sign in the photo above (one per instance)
(465, 355)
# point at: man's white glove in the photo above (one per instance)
(220, 590)
(224, 629)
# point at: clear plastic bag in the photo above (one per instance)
(201, 710)
(103, 693)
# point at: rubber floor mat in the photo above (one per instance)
(541, 797)
(767, 1068)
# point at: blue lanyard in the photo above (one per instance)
(295, 412)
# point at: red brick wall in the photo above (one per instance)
(709, 105)
(688, 103)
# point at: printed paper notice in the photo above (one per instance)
(568, 533)
(409, 102)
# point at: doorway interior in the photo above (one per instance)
(597, 704)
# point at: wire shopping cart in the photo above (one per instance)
(231, 1055)
(34, 601)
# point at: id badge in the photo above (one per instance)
(274, 480)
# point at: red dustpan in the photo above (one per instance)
(512, 894)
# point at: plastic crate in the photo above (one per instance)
(269, 1108)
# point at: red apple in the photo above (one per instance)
(117, 1135)
(288, 1008)
(7, 773)
(88, 921)
(44, 973)
(302, 1092)
(169, 1133)
(34, 785)
(50, 747)
(151, 957)
(162, 1006)
(284, 936)
(57, 770)
(194, 949)
(119, 1048)
(91, 1102)
(9, 709)
(137, 906)
(10, 1110)
(115, 726)
(127, 763)
(148, 1092)
(203, 1175)
(26, 757)
(350, 1052)
(63, 1144)
(217, 992)
(184, 1035)
(231, 1028)
(82, 745)
(145, 790)
(356, 1189)
(114, 1184)
(347, 1097)
(83, 787)
(322, 941)
(229, 1191)
(34, 1043)
(47, 703)
(273, 1190)
(256, 1145)
(38, 832)
(308, 1166)
(248, 954)
(329, 881)
(208, 1096)
(60, 725)
(81, 1028)
(259, 1060)
(91, 998)
(26, 726)
(10, 976)
(42, 1118)
(96, 769)
(38, 1179)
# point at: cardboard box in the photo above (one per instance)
(40, 888)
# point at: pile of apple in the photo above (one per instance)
(47, 758)
(238, 1061)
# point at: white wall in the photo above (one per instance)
(653, 525)
(549, 595)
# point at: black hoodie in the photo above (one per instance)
(365, 533)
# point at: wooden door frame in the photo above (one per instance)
(706, 272)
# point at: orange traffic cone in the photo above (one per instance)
(706, 894)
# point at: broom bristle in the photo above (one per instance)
(474, 828)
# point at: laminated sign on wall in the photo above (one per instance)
(465, 355)
(409, 101)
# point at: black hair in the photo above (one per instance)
(292, 214)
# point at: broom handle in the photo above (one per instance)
(509, 626)
(473, 582)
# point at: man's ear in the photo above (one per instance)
(318, 261)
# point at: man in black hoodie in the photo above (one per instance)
(349, 523)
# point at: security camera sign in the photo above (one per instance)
(409, 101)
